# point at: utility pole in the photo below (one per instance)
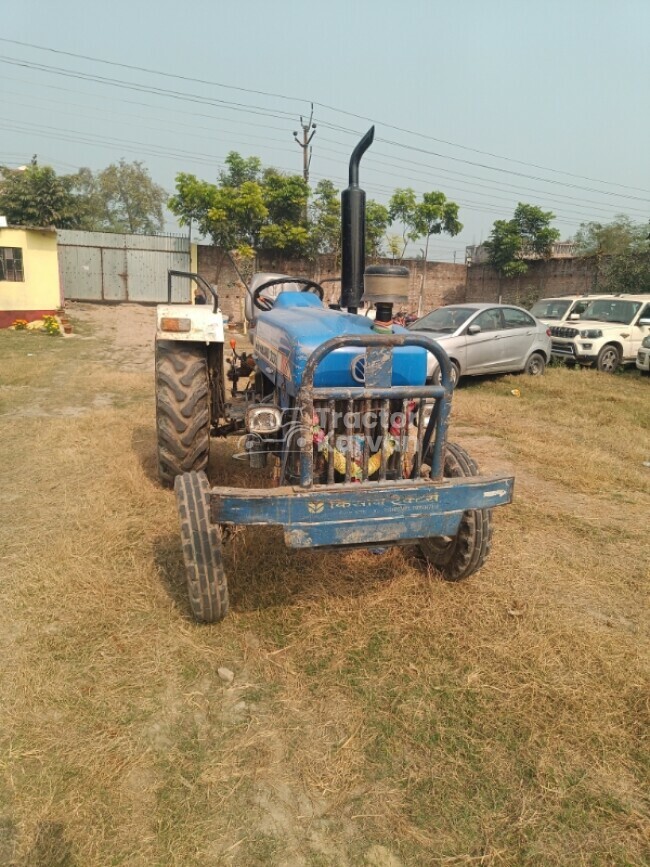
(308, 132)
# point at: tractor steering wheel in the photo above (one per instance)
(263, 302)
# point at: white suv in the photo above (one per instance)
(609, 332)
(643, 358)
(563, 307)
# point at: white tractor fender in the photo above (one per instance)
(195, 323)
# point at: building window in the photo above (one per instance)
(11, 264)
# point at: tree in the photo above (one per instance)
(248, 209)
(627, 272)
(377, 221)
(120, 198)
(619, 251)
(37, 196)
(394, 245)
(240, 169)
(611, 239)
(401, 208)
(432, 216)
(285, 197)
(131, 201)
(325, 219)
(535, 229)
(527, 234)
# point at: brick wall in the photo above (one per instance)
(445, 282)
(544, 279)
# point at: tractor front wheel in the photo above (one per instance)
(459, 556)
(182, 409)
(202, 549)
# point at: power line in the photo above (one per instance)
(320, 105)
(371, 160)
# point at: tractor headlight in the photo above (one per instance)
(645, 343)
(263, 419)
(591, 333)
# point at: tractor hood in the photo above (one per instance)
(287, 335)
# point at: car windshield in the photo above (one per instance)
(550, 308)
(444, 320)
(611, 310)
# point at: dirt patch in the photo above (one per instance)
(125, 333)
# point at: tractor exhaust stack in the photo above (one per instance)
(353, 230)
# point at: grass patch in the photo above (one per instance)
(376, 711)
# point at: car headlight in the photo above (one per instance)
(646, 342)
(591, 333)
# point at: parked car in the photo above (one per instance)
(608, 334)
(643, 356)
(487, 338)
(563, 307)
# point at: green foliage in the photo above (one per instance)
(628, 272)
(131, 201)
(231, 216)
(120, 198)
(622, 253)
(239, 170)
(401, 208)
(377, 221)
(248, 208)
(285, 198)
(325, 219)
(432, 216)
(612, 239)
(51, 325)
(36, 196)
(528, 233)
(394, 245)
(504, 248)
(534, 226)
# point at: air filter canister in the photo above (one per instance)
(386, 284)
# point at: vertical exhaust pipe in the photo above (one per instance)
(353, 230)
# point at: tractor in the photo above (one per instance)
(337, 402)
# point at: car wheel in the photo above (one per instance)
(609, 359)
(455, 375)
(536, 365)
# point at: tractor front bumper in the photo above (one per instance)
(361, 514)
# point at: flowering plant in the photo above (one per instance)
(51, 325)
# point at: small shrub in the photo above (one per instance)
(19, 324)
(51, 325)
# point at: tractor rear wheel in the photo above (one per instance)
(202, 549)
(182, 409)
(463, 554)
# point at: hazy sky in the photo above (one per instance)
(491, 102)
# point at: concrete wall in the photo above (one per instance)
(543, 279)
(445, 282)
(39, 292)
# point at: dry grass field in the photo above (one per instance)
(377, 716)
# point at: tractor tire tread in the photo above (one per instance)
(471, 546)
(202, 549)
(182, 410)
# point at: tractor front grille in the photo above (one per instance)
(368, 439)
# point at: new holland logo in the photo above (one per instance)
(358, 368)
(315, 508)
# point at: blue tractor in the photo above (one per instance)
(339, 403)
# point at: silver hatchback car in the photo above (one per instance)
(487, 338)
